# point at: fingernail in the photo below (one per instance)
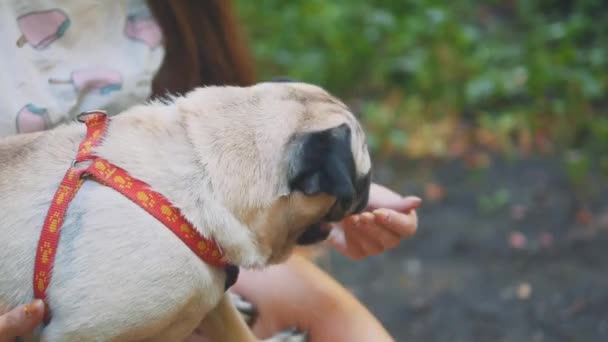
(382, 215)
(33, 307)
(415, 199)
(38, 305)
(356, 221)
(369, 217)
(386, 217)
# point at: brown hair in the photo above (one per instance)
(203, 46)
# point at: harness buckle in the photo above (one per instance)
(84, 173)
(82, 116)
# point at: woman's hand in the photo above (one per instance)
(390, 219)
(21, 321)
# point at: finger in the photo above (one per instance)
(22, 320)
(337, 239)
(382, 197)
(362, 237)
(350, 222)
(383, 236)
(372, 232)
(407, 204)
(365, 243)
(404, 225)
(401, 204)
(366, 218)
(348, 244)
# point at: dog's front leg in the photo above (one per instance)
(224, 323)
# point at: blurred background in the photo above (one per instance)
(496, 114)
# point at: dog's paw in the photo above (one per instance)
(248, 311)
(290, 335)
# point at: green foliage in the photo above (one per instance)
(494, 201)
(577, 166)
(507, 64)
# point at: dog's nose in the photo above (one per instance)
(348, 203)
(362, 189)
(343, 206)
(345, 203)
(340, 209)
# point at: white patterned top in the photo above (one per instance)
(62, 57)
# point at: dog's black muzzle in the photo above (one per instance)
(343, 207)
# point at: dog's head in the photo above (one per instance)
(285, 158)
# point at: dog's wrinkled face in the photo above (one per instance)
(323, 163)
(285, 158)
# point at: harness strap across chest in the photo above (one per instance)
(139, 192)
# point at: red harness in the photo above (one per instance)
(139, 192)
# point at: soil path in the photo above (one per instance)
(468, 275)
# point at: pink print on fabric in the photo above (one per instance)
(40, 29)
(143, 28)
(31, 118)
(102, 80)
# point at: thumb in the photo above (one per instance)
(400, 204)
(383, 197)
(22, 320)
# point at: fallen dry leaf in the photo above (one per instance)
(487, 138)
(546, 240)
(584, 217)
(517, 240)
(459, 145)
(524, 291)
(434, 192)
(477, 160)
(524, 142)
(518, 212)
(543, 143)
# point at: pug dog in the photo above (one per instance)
(258, 169)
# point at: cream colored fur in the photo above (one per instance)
(219, 155)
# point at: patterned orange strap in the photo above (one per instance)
(158, 206)
(49, 236)
(136, 190)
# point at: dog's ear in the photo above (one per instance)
(322, 162)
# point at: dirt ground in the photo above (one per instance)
(511, 253)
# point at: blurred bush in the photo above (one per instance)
(433, 78)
